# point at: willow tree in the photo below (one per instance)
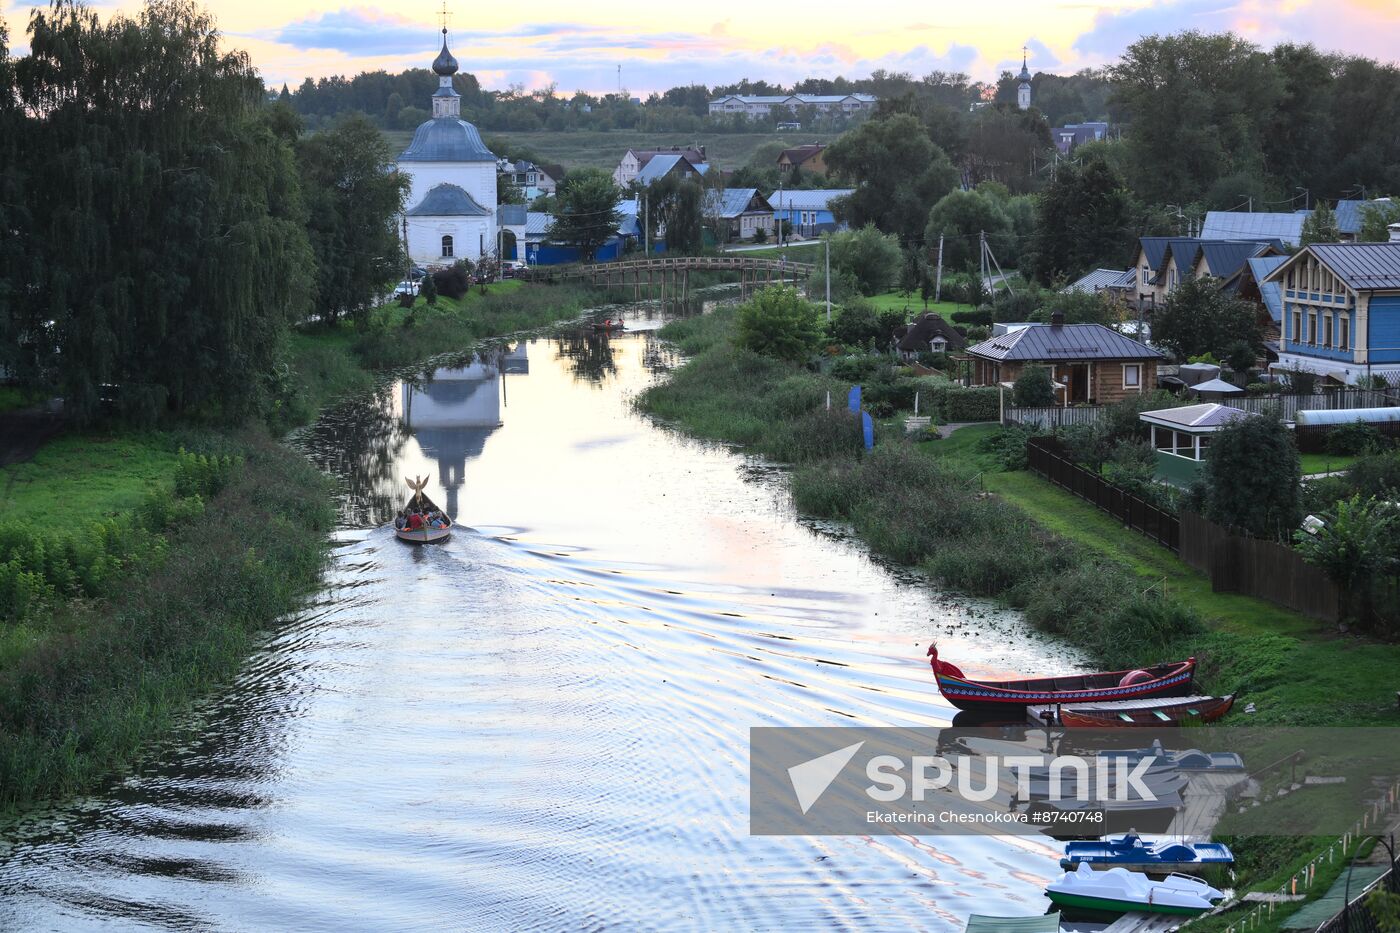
(352, 198)
(16, 328)
(169, 234)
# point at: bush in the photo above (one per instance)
(870, 257)
(979, 316)
(964, 404)
(1033, 388)
(778, 323)
(1356, 438)
(1008, 445)
(1377, 475)
(454, 281)
(857, 369)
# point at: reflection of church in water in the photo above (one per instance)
(452, 415)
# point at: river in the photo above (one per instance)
(542, 723)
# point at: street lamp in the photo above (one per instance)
(1307, 197)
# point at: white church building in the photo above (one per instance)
(451, 211)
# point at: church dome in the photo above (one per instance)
(445, 65)
(446, 139)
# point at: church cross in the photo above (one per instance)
(443, 16)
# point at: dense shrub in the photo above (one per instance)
(965, 404)
(1008, 445)
(857, 369)
(779, 323)
(1033, 388)
(1356, 438)
(454, 281)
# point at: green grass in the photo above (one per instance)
(894, 301)
(1325, 463)
(83, 477)
(84, 685)
(604, 149)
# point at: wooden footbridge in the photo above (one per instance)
(670, 277)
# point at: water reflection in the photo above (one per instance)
(454, 412)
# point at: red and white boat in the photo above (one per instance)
(985, 696)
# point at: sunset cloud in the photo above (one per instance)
(580, 46)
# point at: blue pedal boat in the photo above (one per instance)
(1190, 759)
(1132, 852)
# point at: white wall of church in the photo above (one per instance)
(468, 234)
(477, 179)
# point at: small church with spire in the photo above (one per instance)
(451, 212)
(1023, 86)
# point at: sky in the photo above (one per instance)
(579, 45)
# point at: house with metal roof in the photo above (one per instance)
(662, 166)
(808, 212)
(452, 181)
(1072, 135)
(1351, 213)
(1112, 281)
(1225, 259)
(739, 213)
(634, 160)
(1093, 363)
(1235, 225)
(1341, 311)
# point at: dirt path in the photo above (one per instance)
(24, 432)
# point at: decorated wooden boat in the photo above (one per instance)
(1163, 680)
(1207, 709)
(420, 502)
(1119, 891)
(1132, 852)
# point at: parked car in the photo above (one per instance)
(510, 267)
(405, 287)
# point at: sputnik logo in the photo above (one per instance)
(811, 778)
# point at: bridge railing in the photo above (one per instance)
(670, 264)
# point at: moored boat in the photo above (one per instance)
(1186, 759)
(1132, 852)
(1198, 710)
(1119, 891)
(1162, 680)
(419, 502)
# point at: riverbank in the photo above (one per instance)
(1069, 567)
(138, 567)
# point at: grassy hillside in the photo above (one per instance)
(602, 149)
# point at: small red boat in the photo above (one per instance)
(1201, 709)
(610, 325)
(1162, 680)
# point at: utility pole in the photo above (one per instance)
(780, 207)
(407, 259)
(646, 228)
(982, 258)
(828, 283)
(938, 279)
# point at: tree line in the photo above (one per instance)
(164, 225)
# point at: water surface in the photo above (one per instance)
(543, 723)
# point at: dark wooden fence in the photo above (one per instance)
(1046, 456)
(1256, 567)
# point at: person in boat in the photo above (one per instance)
(415, 520)
(401, 519)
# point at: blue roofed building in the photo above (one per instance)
(808, 212)
(739, 213)
(451, 212)
(1341, 311)
(1234, 225)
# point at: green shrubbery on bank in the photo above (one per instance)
(161, 604)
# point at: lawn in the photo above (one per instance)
(603, 149)
(895, 301)
(83, 477)
(1324, 463)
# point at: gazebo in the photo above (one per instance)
(1181, 437)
